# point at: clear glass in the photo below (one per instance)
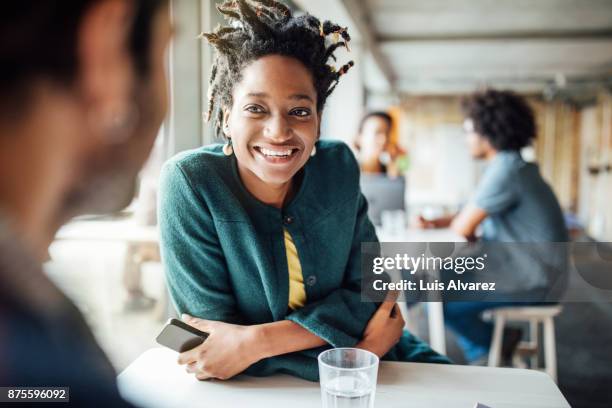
(348, 378)
(393, 222)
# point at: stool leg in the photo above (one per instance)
(533, 342)
(496, 341)
(550, 352)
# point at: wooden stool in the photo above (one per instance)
(534, 315)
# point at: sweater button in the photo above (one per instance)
(288, 220)
(311, 280)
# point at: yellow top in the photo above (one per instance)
(297, 291)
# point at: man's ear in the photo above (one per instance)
(319, 117)
(486, 143)
(105, 66)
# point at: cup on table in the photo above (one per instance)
(393, 222)
(348, 378)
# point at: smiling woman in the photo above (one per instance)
(272, 125)
(261, 237)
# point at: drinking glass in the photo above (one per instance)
(393, 222)
(348, 378)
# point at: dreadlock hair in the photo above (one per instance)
(266, 27)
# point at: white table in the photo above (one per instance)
(125, 230)
(435, 311)
(156, 380)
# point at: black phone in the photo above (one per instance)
(180, 336)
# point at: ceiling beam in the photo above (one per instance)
(560, 35)
(357, 12)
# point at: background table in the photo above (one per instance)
(156, 380)
(142, 245)
(435, 311)
(123, 230)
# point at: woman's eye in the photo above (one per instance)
(254, 109)
(301, 112)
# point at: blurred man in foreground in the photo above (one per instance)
(82, 95)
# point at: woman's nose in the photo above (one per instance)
(277, 129)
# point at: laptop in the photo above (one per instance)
(383, 194)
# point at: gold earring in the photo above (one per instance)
(314, 150)
(228, 150)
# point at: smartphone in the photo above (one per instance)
(180, 336)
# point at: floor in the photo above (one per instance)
(90, 273)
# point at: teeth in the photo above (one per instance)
(275, 153)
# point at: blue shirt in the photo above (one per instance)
(522, 208)
(521, 205)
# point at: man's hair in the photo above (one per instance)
(503, 117)
(38, 40)
(266, 27)
(376, 114)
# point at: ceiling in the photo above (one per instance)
(454, 46)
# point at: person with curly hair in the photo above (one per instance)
(512, 203)
(261, 235)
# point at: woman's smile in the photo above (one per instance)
(277, 154)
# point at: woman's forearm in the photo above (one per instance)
(282, 337)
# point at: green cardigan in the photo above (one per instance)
(224, 254)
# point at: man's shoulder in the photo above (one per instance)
(39, 348)
(507, 162)
(504, 168)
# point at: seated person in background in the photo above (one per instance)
(512, 203)
(377, 154)
(82, 96)
(261, 237)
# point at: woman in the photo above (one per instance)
(261, 237)
(377, 154)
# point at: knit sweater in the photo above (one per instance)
(225, 259)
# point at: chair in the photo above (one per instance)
(534, 315)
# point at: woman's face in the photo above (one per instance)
(273, 122)
(374, 135)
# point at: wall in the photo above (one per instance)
(344, 107)
(595, 176)
(190, 61)
(441, 170)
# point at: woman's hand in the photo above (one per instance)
(229, 350)
(383, 330)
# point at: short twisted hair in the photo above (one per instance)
(266, 27)
(502, 117)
